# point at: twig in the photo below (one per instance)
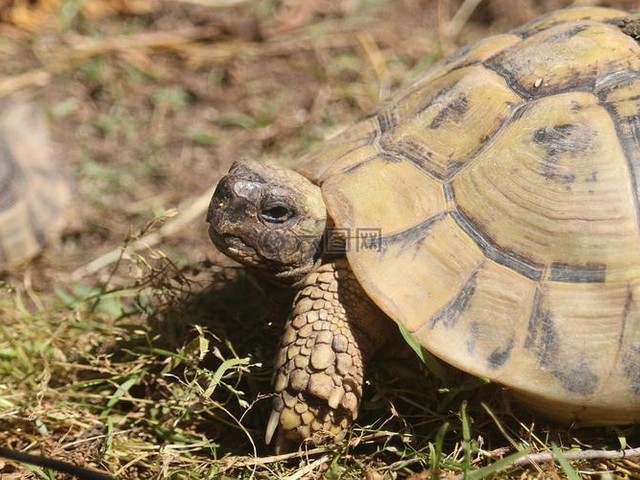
(216, 3)
(253, 461)
(39, 77)
(89, 47)
(195, 209)
(580, 455)
(83, 48)
(183, 40)
(308, 468)
(220, 53)
(376, 59)
(461, 17)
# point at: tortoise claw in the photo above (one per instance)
(272, 425)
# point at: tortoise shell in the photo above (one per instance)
(493, 210)
(33, 192)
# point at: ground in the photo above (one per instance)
(132, 346)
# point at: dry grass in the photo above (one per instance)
(156, 363)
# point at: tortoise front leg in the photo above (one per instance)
(333, 330)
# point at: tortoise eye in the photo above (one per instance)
(276, 212)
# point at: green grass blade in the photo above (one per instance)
(569, 471)
(496, 466)
(431, 362)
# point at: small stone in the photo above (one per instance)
(300, 408)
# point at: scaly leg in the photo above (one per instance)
(333, 331)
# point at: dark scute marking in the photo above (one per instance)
(536, 26)
(588, 273)
(631, 368)
(387, 120)
(503, 256)
(415, 152)
(518, 110)
(474, 334)
(556, 137)
(10, 176)
(460, 53)
(444, 91)
(630, 26)
(557, 140)
(543, 338)
(453, 111)
(631, 357)
(448, 192)
(413, 235)
(614, 80)
(578, 379)
(573, 82)
(369, 140)
(501, 354)
(628, 132)
(451, 312)
(37, 229)
(568, 34)
(362, 163)
(511, 78)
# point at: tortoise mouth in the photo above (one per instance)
(234, 247)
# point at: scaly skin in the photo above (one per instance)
(332, 332)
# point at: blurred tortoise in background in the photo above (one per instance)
(34, 193)
(492, 209)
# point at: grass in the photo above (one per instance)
(159, 365)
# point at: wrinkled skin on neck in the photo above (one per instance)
(269, 218)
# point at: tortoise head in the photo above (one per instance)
(268, 217)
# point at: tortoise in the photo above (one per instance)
(34, 193)
(491, 208)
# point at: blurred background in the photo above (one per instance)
(132, 344)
